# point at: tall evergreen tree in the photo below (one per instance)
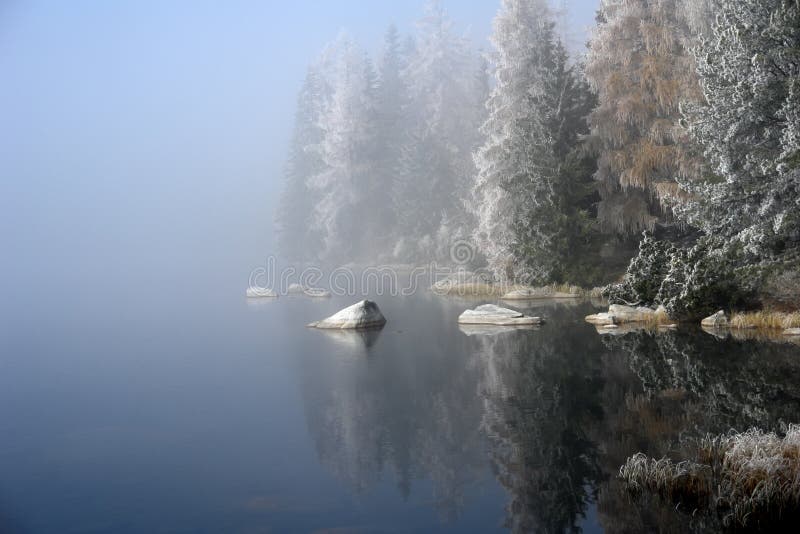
(296, 237)
(749, 126)
(391, 105)
(523, 193)
(435, 167)
(348, 151)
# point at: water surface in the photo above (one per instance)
(200, 411)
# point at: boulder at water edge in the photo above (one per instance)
(718, 320)
(617, 314)
(295, 289)
(361, 315)
(260, 293)
(530, 293)
(491, 314)
(317, 292)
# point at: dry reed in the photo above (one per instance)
(749, 479)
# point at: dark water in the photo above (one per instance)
(203, 412)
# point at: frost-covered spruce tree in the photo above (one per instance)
(536, 112)
(296, 237)
(514, 191)
(436, 167)
(749, 128)
(345, 185)
(640, 65)
(391, 107)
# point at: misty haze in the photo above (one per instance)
(428, 266)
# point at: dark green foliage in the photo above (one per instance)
(690, 282)
(645, 273)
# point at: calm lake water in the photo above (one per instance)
(199, 411)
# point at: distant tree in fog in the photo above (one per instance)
(446, 108)
(390, 150)
(348, 150)
(296, 233)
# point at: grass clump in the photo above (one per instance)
(472, 289)
(749, 479)
(765, 320)
(659, 318)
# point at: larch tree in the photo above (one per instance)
(641, 68)
(746, 205)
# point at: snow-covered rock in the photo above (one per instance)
(364, 314)
(791, 332)
(718, 320)
(529, 293)
(495, 315)
(601, 318)
(463, 282)
(295, 289)
(618, 313)
(260, 292)
(317, 292)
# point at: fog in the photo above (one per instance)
(143, 142)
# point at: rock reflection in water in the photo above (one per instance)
(407, 415)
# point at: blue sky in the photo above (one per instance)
(152, 133)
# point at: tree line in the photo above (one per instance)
(669, 151)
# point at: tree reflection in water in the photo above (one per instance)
(553, 412)
(541, 394)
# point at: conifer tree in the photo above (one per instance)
(344, 186)
(749, 127)
(296, 237)
(436, 168)
(523, 193)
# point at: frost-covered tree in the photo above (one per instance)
(749, 127)
(444, 114)
(523, 192)
(640, 65)
(748, 209)
(296, 236)
(391, 105)
(346, 185)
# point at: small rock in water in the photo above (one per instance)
(495, 315)
(530, 293)
(601, 319)
(295, 288)
(361, 315)
(718, 320)
(618, 314)
(260, 292)
(317, 292)
(791, 332)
